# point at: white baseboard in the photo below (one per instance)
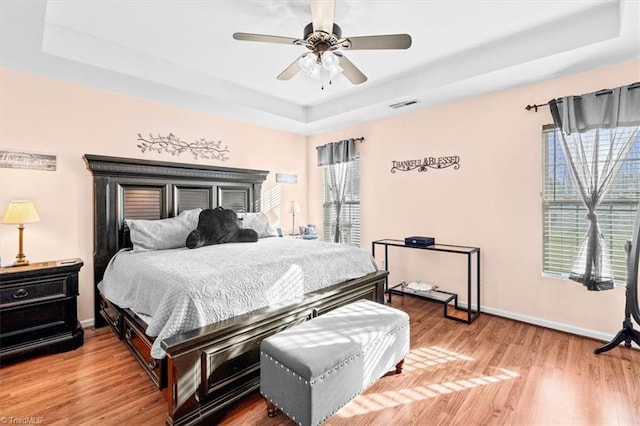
(604, 337)
(87, 323)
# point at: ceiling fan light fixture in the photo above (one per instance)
(317, 68)
(311, 66)
(331, 64)
(316, 72)
(307, 62)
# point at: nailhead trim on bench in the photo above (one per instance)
(343, 363)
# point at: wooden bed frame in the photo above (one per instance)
(205, 369)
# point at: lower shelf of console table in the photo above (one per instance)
(448, 300)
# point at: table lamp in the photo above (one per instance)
(293, 209)
(20, 212)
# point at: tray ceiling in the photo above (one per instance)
(182, 52)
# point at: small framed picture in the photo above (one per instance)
(279, 232)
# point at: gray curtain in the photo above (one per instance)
(597, 132)
(335, 157)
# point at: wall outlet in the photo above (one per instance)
(384, 264)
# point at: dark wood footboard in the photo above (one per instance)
(211, 367)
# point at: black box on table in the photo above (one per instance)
(419, 241)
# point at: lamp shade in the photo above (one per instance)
(21, 212)
(295, 207)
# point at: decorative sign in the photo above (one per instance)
(172, 144)
(27, 160)
(423, 165)
(286, 178)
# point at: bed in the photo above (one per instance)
(205, 369)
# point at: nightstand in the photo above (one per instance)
(38, 308)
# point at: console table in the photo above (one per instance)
(449, 300)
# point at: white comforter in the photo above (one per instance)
(184, 289)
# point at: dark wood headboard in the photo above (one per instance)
(143, 189)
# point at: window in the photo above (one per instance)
(564, 215)
(350, 211)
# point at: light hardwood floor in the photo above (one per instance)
(494, 371)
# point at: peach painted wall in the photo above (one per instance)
(42, 115)
(492, 202)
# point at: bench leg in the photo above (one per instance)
(399, 366)
(272, 410)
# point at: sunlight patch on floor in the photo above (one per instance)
(420, 358)
(367, 403)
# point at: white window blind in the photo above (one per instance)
(564, 215)
(350, 210)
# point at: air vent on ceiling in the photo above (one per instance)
(403, 104)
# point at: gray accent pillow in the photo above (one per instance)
(163, 234)
(259, 222)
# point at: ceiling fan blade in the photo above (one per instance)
(264, 38)
(290, 71)
(353, 74)
(390, 41)
(322, 15)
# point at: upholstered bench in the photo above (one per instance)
(311, 370)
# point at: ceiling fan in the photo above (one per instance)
(323, 38)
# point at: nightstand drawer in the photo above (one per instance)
(33, 320)
(36, 290)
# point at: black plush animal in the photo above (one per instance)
(219, 226)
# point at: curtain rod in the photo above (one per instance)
(360, 139)
(535, 107)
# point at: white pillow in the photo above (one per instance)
(163, 234)
(259, 222)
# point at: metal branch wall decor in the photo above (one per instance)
(423, 165)
(172, 144)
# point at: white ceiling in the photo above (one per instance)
(183, 53)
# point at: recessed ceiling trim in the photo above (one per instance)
(83, 48)
(526, 46)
